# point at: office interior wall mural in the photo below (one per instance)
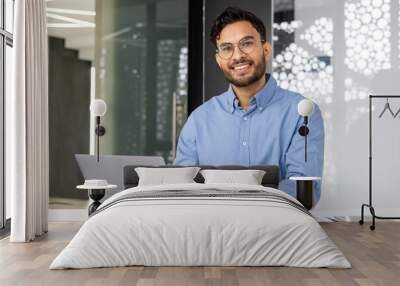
(337, 53)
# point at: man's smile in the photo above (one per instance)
(241, 68)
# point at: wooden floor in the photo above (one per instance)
(375, 257)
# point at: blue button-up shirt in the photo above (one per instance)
(220, 132)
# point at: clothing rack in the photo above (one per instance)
(369, 205)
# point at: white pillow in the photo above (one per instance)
(164, 176)
(248, 177)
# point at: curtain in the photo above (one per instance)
(27, 143)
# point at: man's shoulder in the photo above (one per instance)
(288, 95)
(211, 106)
(292, 98)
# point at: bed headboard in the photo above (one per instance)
(270, 179)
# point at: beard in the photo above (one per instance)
(258, 73)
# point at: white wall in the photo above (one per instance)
(345, 107)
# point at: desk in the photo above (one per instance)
(304, 190)
(96, 193)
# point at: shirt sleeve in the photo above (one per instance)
(186, 151)
(294, 159)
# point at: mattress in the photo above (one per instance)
(201, 225)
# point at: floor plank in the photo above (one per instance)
(374, 255)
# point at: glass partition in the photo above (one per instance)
(141, 73)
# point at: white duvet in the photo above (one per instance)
(200, 231)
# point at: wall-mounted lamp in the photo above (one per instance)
(98, 108)
(305, 108)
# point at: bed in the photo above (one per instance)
(201, 224)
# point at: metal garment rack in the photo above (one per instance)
(369, 205)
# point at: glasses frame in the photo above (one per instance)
(238, 46)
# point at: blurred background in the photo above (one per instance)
(152, 62)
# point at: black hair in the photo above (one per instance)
(231, 15)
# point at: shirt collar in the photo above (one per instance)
(261, 99)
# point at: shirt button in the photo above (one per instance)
(245, 118)
(260, 108)
(244, 143)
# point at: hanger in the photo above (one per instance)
(397, 113)
(387, 107)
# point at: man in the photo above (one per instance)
(254, 122)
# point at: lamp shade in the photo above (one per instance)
(98, 107)
(305, 107)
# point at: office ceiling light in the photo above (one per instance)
(71, 11)
(69, 20)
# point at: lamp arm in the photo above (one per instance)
(97, 136)
(305, 138)
(305, 148)
(303, 131)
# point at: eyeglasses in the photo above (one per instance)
(246, 46)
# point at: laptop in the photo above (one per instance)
(111, 167)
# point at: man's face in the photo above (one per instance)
(247, 63)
